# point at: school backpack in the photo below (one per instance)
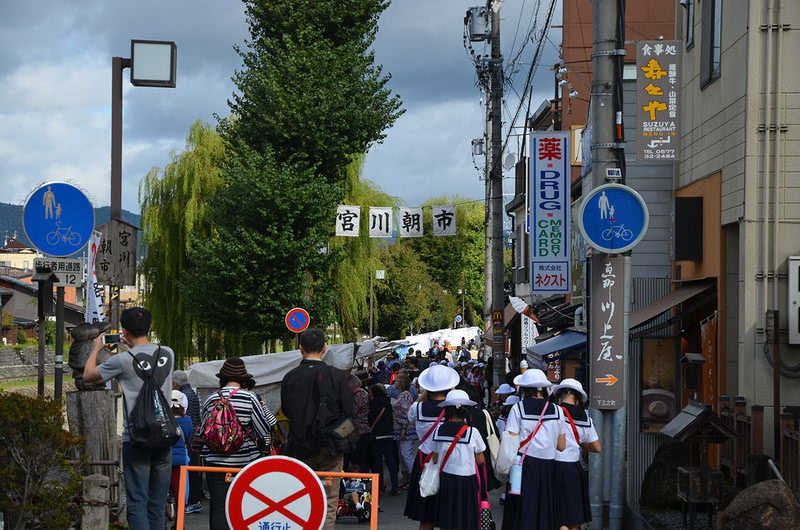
(222, 431)
(151, 424)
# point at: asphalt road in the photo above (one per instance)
(390, 517)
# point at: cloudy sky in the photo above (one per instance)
(55, 90)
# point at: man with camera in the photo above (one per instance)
(147, 471)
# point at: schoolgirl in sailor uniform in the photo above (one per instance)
(501, 420)
(458, 483)
(572, 489)
(534, 508)
(435, 381)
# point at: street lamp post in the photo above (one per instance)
(153, 64)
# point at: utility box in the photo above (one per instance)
(478, 23)
(793, 301)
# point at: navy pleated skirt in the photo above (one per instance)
(457, 502)
(418, 508)
(535, 507)
(572, 494)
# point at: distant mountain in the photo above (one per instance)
(11, 220)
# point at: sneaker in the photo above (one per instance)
(192, 508)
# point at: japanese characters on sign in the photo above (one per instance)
(348, 219)
(69, 271)
(444, 220)
(606, 340)
(409, 222)
(657, 103)
(550, 212)
(115, 263)
(380, 222)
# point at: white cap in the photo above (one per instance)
(457, 398)
(533, 378)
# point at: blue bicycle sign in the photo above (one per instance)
(613, 218)
(58, 219)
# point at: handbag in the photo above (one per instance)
(428, 484)
(340, 435)
(492, 442)
(485, 521)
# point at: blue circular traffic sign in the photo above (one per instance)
(613, 218)
(58, 219)
(297, 320)
(458, 318)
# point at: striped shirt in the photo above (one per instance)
(252, 415)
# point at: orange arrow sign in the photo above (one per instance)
(609, 380)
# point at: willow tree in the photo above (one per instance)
(360, 257)
(172, 206)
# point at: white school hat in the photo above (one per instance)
(505, 388)
(573, 384)
(457, 398)
(438, 378)
(533, 378)
(510, 400)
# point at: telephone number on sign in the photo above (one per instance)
(660, 153)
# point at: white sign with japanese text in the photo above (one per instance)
(409, 222)
(94, 291)
(550, 212)
(444, 220)
(348, 220)
(380, 222)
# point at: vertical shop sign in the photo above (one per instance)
(658, 66)
(550, 212)
(606, 339)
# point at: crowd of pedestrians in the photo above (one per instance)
(432, 407)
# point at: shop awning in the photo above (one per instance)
(509, 314)
(655, 309)
(562, 341)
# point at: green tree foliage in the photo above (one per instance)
(172, 203)
(37, 484)
(310, 89)
(457, 263)
(265, 254)
(309, 98)
(359, 256)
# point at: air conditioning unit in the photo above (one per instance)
(793, 302)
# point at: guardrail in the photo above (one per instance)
(373, 519)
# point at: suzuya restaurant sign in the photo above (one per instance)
(550, 212)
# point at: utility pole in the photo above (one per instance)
(495, 169)
(607, 470)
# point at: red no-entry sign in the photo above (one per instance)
(276, 492)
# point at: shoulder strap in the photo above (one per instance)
(371, 427)
(453, 446)
(535, 429)
(438, 420)
(572, 424)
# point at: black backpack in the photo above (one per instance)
(337, 431)
(151, 424)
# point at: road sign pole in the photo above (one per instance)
(59, 360)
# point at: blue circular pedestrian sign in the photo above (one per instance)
(613, 218)
(58, 219)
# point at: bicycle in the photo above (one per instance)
(617, 231)
(65, 234)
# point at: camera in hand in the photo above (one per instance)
(111, 338)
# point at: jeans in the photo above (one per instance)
(147, 473)
(195, 480)
(384, 447)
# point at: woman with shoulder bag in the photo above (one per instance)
(530, 504)
(380, 420)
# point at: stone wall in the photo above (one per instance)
(22, 363)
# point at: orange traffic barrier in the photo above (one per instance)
(373, 518)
